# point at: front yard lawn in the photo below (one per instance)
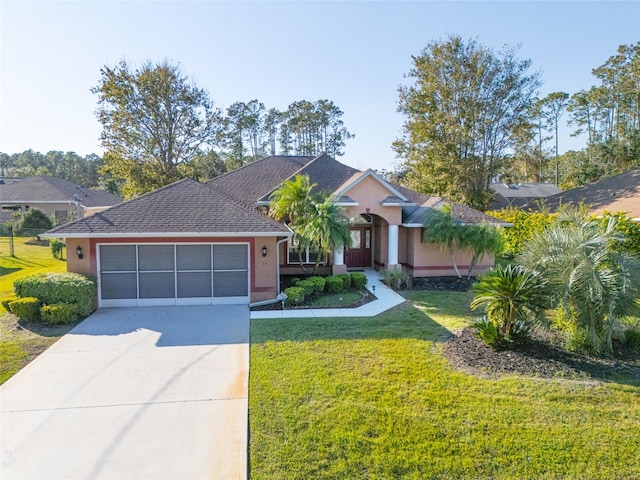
(20, 341)
(375, 398)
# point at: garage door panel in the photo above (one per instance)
(155, 257)
(157, 285)
(114, 258)
(230, 284)
(229, 257)
(193, 257)
(119, 286)
(194, 284)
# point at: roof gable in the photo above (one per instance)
(361, 176)
(183, 207)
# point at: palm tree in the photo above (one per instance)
(480, 240)
(445, 231)
(314, 219)
(510, 294)
(291, 203)
(587, 273)
(326, 229)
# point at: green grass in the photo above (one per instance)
(21, 342)
(336, 300)
(28, 260)
(374, 398)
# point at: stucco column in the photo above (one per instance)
(392, 257)
(338, 261)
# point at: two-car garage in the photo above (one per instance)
(172, 274)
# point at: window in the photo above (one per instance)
(309, 254)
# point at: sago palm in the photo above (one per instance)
(587, 273)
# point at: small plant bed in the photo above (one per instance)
(539, 357)
(451, 284)
(349, 299)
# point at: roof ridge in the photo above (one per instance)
(253, 163)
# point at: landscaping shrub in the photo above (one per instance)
(632, 338)
(334, 284)
(295, 296)
(397, 278)
(5, 303)
(33, 222)
(346, 280)
(319, 283)
(57, 249)
(488, 332)
(308, 286)
(59, 313)
(524, 225)
(53, 288)
(27, 308)
(358, 280)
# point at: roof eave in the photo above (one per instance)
(165, 234)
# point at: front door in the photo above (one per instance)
(358, 253)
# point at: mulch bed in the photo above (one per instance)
(452, 284)
(539, 357)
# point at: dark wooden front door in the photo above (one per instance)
(358, 254)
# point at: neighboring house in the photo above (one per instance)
(58, 198)
(620, 193)
(520, 194)
(191, 243)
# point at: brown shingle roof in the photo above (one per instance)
(253, 181)
(53, 189)
(183, 207)
(417, 215)
(620, 193)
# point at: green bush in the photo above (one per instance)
(397, 278)
(27, 308)
(5, 303)
(346, 280)
(308, 286)
(32, 223)
(490, 333)
(334, 284)
(632, 338)
(524, 225)
(53, 288)
(57, 249)
(59, 313)
(358, 280)
(295, 296)
(318, 283)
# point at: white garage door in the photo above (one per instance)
(182, 274)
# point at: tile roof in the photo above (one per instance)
(53, 189)
(184, 207)
(620, 193)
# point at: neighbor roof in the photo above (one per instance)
(620, 193)
(54, 189)
(184, 208)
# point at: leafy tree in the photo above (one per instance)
(510, 295)
(244, 132)
(524, 224)
(553, 107)
(203, 166)
(587, 274)
(445, 231)
(33, 223)
(460, 116)
(153, 120)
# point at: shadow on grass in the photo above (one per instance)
(403, 321)
(44, 329)
(25, 263)
(6, 271)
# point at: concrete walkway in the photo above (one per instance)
(386, 299)
(133, 393)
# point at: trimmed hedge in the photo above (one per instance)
(334, 284)
(5, 303)
(346, 280)
(59, 313)
(295, 296)
(358, 280)
(308, 286)
(52, 288)
(319, 283)
(27, 308)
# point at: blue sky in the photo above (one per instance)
(353, 53)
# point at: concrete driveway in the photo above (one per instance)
(133, 393)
